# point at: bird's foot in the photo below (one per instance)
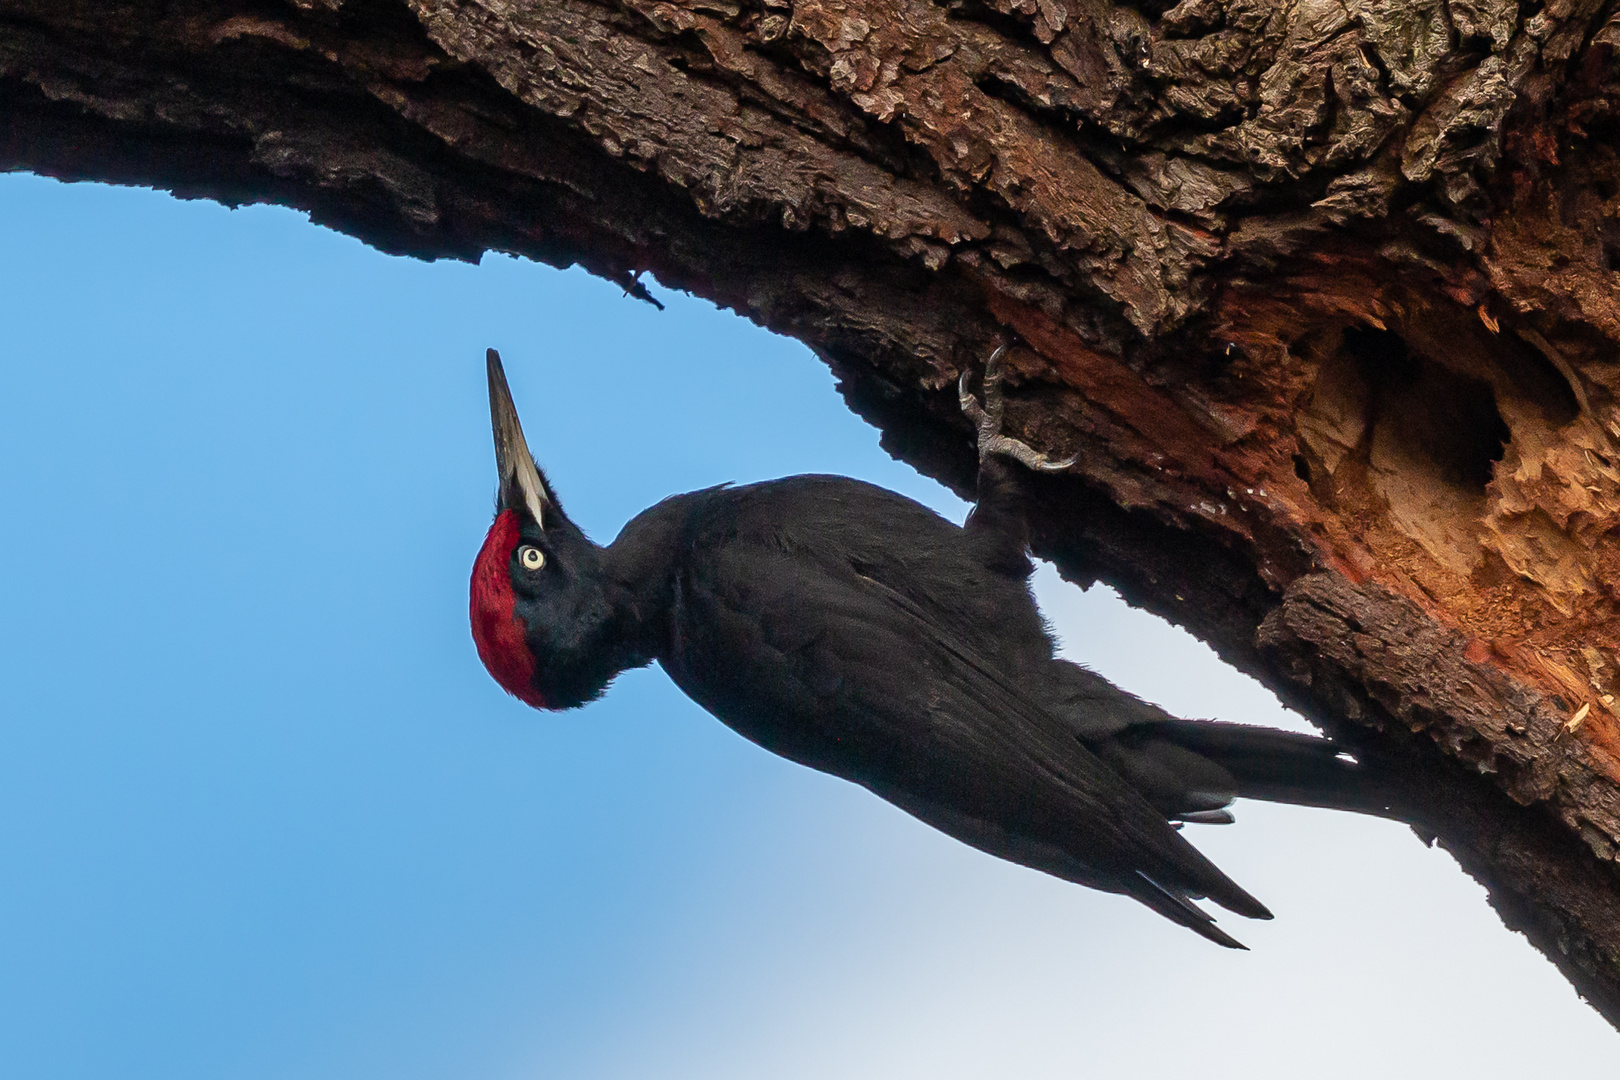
(987, 418)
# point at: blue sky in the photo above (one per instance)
(263, 815)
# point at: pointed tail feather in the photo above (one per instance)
(1280, 766)
(1182, 911)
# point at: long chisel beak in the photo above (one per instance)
(521, 485)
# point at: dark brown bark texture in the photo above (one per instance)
(1321, 293)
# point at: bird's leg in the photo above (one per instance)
(988, 420)
(997, 522)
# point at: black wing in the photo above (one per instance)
(800, 652)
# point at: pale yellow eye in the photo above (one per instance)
(531, 557)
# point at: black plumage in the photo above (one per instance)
(853, 630)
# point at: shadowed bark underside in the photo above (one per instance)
(1321, 294)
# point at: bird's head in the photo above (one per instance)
(539, 606)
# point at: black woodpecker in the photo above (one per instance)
(855, 631)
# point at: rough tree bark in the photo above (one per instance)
(1319, 291)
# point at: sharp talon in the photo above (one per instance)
(970, 404)
(992, 369)
(993, 401)
(987, 418)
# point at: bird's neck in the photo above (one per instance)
(641, 566)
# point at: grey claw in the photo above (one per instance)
(1023, 453)
(970, 404)
(987, 418)
(993, 401)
